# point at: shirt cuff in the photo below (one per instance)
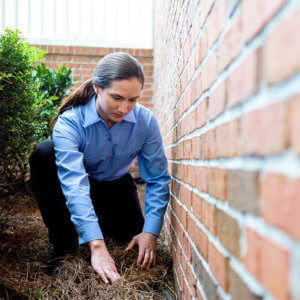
(89, 232)
(153, 225)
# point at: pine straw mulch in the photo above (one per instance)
(24, 251)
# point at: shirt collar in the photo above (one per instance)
(130, 117)
(91, 115)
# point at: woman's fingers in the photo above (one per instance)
(150, 260)
(146, 259)
(112, 275)
(131, 244)
(140, 256)
(103, 276)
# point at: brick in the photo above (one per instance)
(242, 82)
(187, 144)
(231, 45)
(239, 289)
(209, 287)
(78, 50)
(209, 71)
(85, 72)
(188, 247)
(61, 58)
(210, 145)
(197, 205)
(294, 123)
(205, 8)
(282, 50)
(57, 49)
(199, 54)
(197, 266)
(184, 81)
(199, 294)
(71, 50)
(201, 242)
(82, 59)
(217, 101)
(72, 65)
(147, 86)
(275, 262)
(252, 257)
(231, 6)
(228, 231)
(50, 49)
(217, 183)
(191, 281)
(182, 219)
(85, 51)
(264, 131)
(52, 65)
(280, 198)
(201, 114)
(191, 226)
(256, 14)
(243, 190)
(216, 22)
(89, 66)
(201, 178)
(209, 216)
(227, 139)
(219, 265)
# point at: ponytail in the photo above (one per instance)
(79, 96)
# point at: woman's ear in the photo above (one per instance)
(96, 88)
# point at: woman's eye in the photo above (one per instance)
(132, 100)
(116, 98)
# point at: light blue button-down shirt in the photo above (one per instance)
(85, 146)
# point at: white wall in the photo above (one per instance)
(103, 23)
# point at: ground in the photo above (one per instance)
(24, 251)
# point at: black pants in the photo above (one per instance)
(115, 202)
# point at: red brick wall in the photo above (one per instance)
(227, 95)
(83, 61)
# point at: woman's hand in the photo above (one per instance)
(102, 262)
(147, 249)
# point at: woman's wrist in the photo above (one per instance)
(97, 245)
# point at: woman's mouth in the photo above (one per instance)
(119, 116)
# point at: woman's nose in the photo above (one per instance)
(123, 107)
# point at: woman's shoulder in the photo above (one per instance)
(143, 113)
(69, 118)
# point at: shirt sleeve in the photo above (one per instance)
(74, 179)
(153, 168)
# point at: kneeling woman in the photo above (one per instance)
(81, 180)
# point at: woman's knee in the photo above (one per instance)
(43, 151)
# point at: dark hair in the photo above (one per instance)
(114, 66)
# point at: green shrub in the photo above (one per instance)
(53, 87)
(18, 92)
(29, 98)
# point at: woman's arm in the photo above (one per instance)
(153, 168)
(76, 188)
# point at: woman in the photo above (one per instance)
(81, 180)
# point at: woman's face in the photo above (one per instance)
(116, 101)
